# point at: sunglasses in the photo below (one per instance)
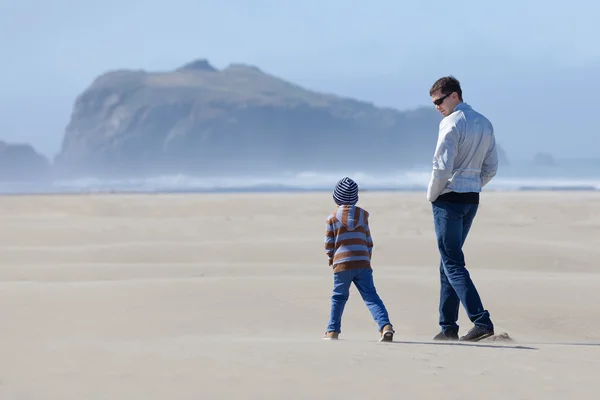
(441, 99)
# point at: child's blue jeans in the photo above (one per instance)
(363, 280)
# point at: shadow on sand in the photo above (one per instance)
(500, 345)
(584, 344)
(453, 343)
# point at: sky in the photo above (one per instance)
(529, 66)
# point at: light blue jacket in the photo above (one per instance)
(465, 158)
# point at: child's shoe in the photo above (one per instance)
(387, 333)
(331, 336)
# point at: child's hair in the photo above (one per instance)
(345, 192)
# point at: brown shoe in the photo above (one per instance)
(331, 336)
(387, 333)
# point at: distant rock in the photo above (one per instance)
(21, 163)
(198, 120)
(502, 157)
(544, 160)
(198, 65)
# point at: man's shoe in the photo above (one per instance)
(476, 334)
(448, 335)
(387, 334)
(331, 335)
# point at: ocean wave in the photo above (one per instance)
(313, 180)
(415, 180)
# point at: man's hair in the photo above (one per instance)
(447, 85)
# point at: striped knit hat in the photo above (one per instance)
(345, 192)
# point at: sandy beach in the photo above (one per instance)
(216, 296)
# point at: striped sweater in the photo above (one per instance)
(348, 241)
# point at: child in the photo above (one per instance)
(349, 246)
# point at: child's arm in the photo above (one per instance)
(369, 240)
(329, 241)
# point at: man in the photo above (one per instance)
(465, 160)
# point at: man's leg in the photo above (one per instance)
(366, 287)
(449, 301)
(483, 326)
(468, 221)
(341, 291)
(449, 304)
(453, 222)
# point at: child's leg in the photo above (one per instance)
(366, 287)
(341, 290)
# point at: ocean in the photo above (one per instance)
(523, 176)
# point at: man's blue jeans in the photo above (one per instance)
(452, 222)
(363, 280)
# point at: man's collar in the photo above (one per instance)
(462, 106)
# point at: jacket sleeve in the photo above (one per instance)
(329, 241)
(369, 241)
(443, 158)
(489, 167)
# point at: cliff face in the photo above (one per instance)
(21, 163)
(200, 120)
